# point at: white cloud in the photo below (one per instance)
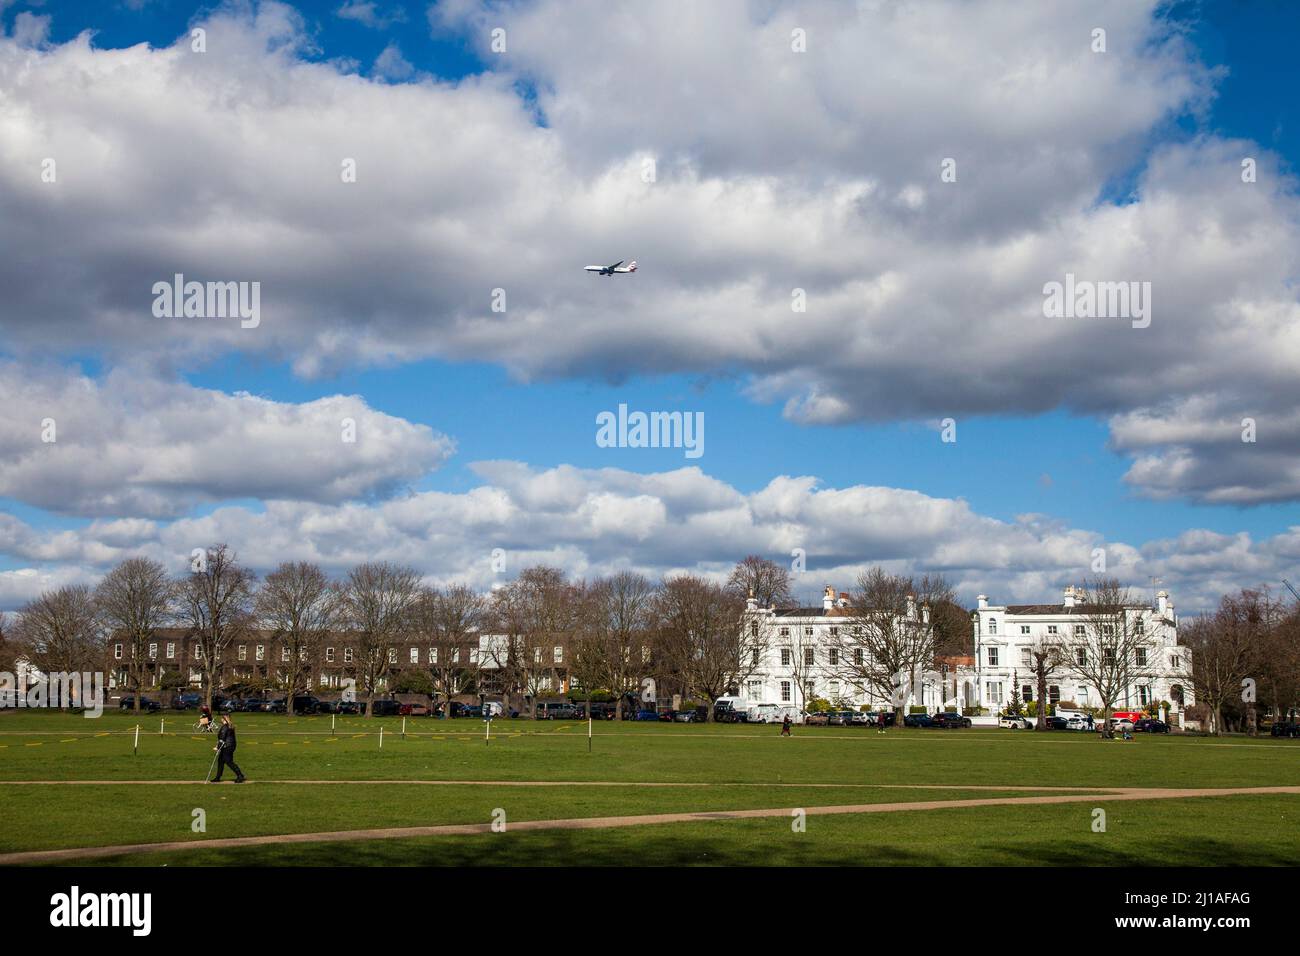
(134, 444)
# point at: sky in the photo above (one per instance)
(845, 220)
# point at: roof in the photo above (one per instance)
(1062, 609)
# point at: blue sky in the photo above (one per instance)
(1013, 457)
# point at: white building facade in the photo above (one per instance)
(1005, 635)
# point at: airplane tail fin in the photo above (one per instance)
(631, 266)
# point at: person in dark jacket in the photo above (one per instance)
(785, 726)
(226, 750)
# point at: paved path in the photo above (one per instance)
(596, 823)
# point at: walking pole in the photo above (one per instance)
(215, 753)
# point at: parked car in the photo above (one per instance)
(1285, 728)
(128, 703)
(386, 708)
(350, 707)
(858, 718)
(1121, 726)
(421, 710)
(918, 720)
(730, 710)
(1015, 723)
(951, 721)
(473, 711)
(187, 701)
(327, 707)
(251, 705)
(1057, 723)
(1149, 725)
(646, 715)
(557, 712)
(685, 717)
(305, 704)
(891, 718)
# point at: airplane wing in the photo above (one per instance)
(615, 265)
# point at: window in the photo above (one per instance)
(1054, 693)
(807, 656)
(755, 690)
(242, 653)
(559, 654)
(1026, 657)
(1081, 695)
(753, 629)
(1051, 629)
(1140, 654)
(392, 655)
(324, 680)
(1144, 694)
(1024, 628)
(347, 655)
(1108, 655)
(808, 690)
(833, 655)
(284, 654)
(302, 653)
(455, 655)
(785, 691)
(329, 655)
(1108, 629)
(198, 652)
(835, 632)
(1139, 625)
(537, 655)
(171, 650)
(834, 688)
(785, 632)
(415, 655)
(993, 656)
(754, 657)
(785, 657)
(995, 692)
(433, 655)
(807, 632)
(1081, 656)
(1027, 693)
(261, 652)
(993, 625)
(1175, 662)
(153, 651)
(857, 656)
(117, 651)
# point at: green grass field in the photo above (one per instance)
(70, 783)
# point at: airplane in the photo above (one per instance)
(617, 267)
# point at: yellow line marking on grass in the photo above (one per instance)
(69, 740)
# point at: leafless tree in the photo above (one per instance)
(134, 600)
(1229, 647)
(762, 579)
(705, 637)
(619, 622)
(1107, 650)
(890, 637)
(533, 614)
(375, 608)
(450, 620)
(298, 605)
(1047, 655)
(60, 632)
(215, 601)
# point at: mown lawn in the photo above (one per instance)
(846, 765)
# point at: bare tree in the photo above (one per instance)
(216, 601)
(8, 654)
(134, 600)
(298, 605)
(60, 632)
(450, 620)
(375, 607)
(705, 637)
(619, 623)
(890, 638)
(1227, 647)
(1047, 655)
(534, 614)
(1107, 650)
(762, 579)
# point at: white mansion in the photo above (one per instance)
(800, 650)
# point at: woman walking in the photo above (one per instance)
(226, 750)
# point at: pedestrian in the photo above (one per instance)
(226, 750)
(785, 726)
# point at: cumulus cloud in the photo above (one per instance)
(595, 521)
(136, 445)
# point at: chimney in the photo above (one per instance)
(844, 599)
(828, 598)
(1162, 602)
(983, 601)
(911, 607)
(752, 603)
(1069, 595)
(1169, 608)
(925, 614)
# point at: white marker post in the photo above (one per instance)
(135, 749)
(381, 738)
(331, 723)
(487, 731)
(588, 726)
(403, 728)
(162, 727)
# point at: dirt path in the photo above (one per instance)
(561, 783)
(597, 823)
